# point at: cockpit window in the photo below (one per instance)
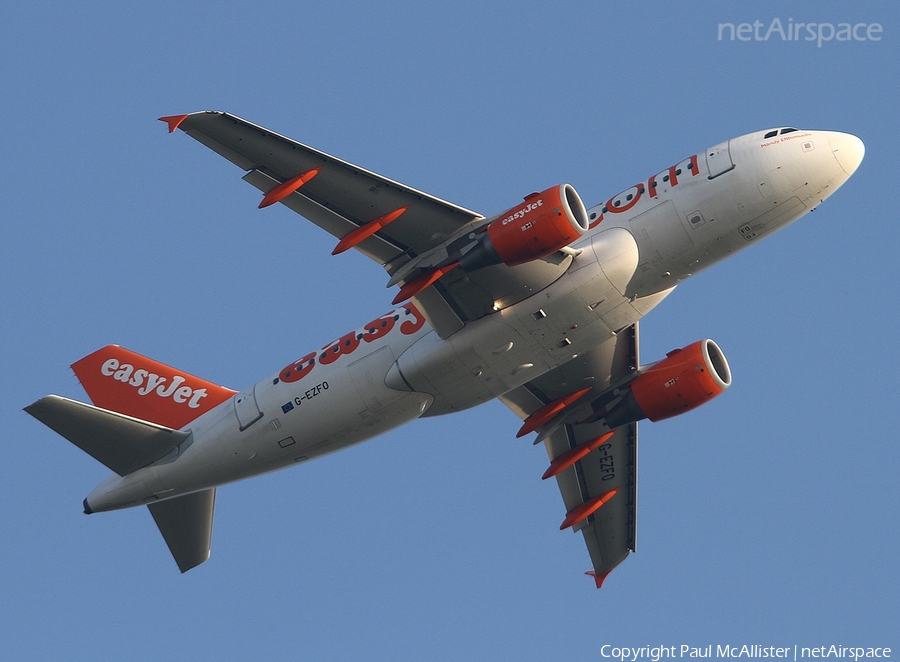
(788, 130)
(771, 134)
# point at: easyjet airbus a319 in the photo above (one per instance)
(537, 306)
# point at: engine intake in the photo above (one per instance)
(544, 223)
(685, 379)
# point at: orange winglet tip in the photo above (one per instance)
(598, 579)
(174, 121)
(419, 283)
(572, 456)
(545, 413)
(365, 231)
(586, 509)
(283, 190)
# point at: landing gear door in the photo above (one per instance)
(246, 408)
(718, 159)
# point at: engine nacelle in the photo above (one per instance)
(545, 222)
(685, 379)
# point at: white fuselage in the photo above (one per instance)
(641, 244)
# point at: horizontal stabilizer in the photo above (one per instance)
(185, 523)
(122, 443)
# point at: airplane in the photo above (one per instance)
(538, 306)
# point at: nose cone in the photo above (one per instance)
(848, 150)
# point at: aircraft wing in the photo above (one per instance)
(610, 532)
(411, 230)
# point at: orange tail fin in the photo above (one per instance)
(126, 382)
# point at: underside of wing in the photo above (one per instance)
(340, 197)
(595, 467)
(609, 471)
(409, 232)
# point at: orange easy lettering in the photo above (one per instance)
(409, 327)
(297, 370)
(346, 344)
(378, 328)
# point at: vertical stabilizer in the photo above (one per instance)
(126, 382)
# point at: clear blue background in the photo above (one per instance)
(769, 516)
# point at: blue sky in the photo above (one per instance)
(768, 516)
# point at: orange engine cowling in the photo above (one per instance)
(685, 379)
(545, 222)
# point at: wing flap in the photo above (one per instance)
(122, 443)
(185, 523)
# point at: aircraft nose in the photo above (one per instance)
(848, 150)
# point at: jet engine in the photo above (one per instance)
(685, 379)
(545, 222)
